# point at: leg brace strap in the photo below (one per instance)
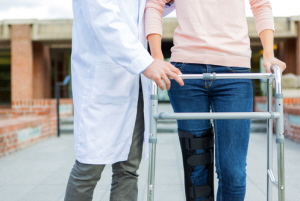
(200, 191)
(200, 143)
(201, 159)
(189, 144)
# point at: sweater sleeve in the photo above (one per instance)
(263, 16)
(153, 16)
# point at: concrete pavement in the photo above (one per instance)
(40, 172)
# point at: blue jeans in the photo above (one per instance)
(231, 135)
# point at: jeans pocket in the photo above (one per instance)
(238, 69)
(178, 65)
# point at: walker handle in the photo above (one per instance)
(274, 68)
(277, 72)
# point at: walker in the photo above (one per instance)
(269, 115)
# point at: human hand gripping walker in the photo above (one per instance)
(269, 115)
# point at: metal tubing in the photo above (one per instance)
(154, 88)
(273, 180)
(279, 133)
(152, 141)
(270, 175)
(219, 115)
(281, 177)
(230, 76)
(279, 125)
(57, 96)
(277, 73)
(231, 115)
(280, 149)
(151, 176)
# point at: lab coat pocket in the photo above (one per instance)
(111, 85)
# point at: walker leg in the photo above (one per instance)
(281, 178)
(152, 141)
(270, 176)
(279, 133)
(151, 172)
(280, 148)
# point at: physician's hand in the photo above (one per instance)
(161, 70)
(268, 62)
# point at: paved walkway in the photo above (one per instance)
(40, 172)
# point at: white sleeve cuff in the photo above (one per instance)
(141, 62)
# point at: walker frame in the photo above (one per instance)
(269, 115)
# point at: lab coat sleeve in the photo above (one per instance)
(114, 35)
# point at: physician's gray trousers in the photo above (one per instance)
(84, 177)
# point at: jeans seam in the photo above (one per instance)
(217, 153)
(210, 83)
(218, 162)
(182, 65)
(237, 71)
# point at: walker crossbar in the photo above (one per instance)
(219, 76)
(269, 115)
(219, 115)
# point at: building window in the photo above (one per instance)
(5, 77)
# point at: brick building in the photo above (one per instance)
(35, 54)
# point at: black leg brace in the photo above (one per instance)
(189, 144)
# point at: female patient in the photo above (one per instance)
(212, 37)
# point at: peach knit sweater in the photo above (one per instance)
(211, 31)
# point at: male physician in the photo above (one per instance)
(111, 90)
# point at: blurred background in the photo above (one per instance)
(35, 50)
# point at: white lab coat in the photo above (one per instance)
(108, 55)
